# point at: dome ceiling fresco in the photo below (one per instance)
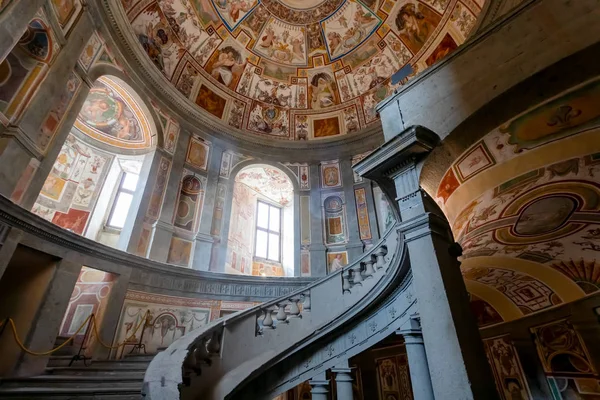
(295, 69)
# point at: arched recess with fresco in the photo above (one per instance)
(99, 175)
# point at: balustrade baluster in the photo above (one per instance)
(346, 281)
(294, 309)
(380, 253)
(369, 270)
(214, 344)
(268, 320)
(356, 276)
(281, 314)
(306, 303)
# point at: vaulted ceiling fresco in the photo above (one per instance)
(296, 69)
(112, 114)
(268, 181)
(524, 204)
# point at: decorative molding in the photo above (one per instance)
(147, 273)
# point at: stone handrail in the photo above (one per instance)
(213, 361)
(143, 274)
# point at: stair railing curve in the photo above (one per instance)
(237, 344)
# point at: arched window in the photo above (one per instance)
(261, 228)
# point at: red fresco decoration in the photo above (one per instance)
(75, 220)
(448, 185)
(446, 46)
(363, 214)
(89, 296)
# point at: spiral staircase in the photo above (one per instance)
(266, 350)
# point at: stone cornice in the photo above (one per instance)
(120, 36)
(146, 272)
(396, 154)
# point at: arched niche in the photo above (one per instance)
(97, 181)
(290, 261)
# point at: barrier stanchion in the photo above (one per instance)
(82, 346)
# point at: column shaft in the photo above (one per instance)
(417, 361)
(319, 387)
(343, 381)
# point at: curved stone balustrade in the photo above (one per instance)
(218, 360)
(142, 274)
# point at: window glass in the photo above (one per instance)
(120, 210)
(274, 219)
(262, 219)
(261, 244)
(273, 247)
(130, 182)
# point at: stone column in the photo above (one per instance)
(417, 360)
(20, 144)
(343, 381)
(319, 387)
(44, 330)
(355, 244)
(204, 240)
(163, 228)
(109, 324)
(457, 361)
(13, 23)
(8, 247)
(318, 258)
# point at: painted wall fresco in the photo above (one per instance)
(301, 72)
(112, 115)
(67, 12)
(336, 260)
(529, 191)
(189, 205)
(566, 361)
(334, 218)
(198, 153)
(240, 245)
(90, 295)
(508, 372)
(362, 213)
(54, 118)
(331, 176)
(71, 190)
(180, 252)
(170, 318)
(25, 67)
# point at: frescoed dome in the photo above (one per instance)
(296, 69)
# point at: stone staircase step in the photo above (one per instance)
(145, 357)
(75, 381)
(130, 362)
(106, 370)
(132, 392)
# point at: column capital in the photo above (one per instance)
(398, 154)
(319, 386)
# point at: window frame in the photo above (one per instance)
(119, 189)
(268, 231)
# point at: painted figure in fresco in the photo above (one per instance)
(414, 25)
(228, 67)
(323, 94)
(335, 40)
(336, 263)
(154, 41)
(235, 7)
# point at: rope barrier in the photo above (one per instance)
(44, 353)
(91, 317)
